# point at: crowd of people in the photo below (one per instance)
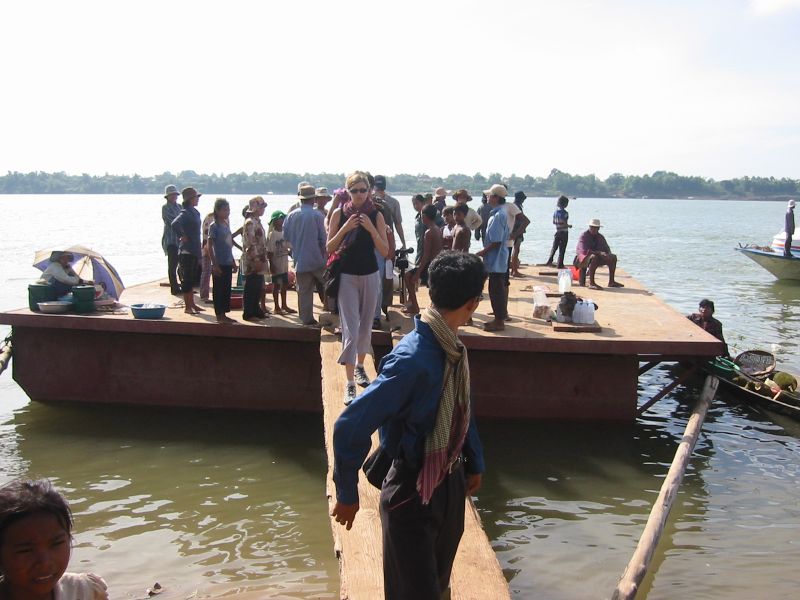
(312, 233)
(344, 247)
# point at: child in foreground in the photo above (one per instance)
(35, 546)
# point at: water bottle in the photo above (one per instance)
(577, 313)
(564, 281)
(589, 312)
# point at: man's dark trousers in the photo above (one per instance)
(172, 270)
(420, 541)
(251, 302)
(498, 295)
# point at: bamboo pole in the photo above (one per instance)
(634, 573)
(5, 357)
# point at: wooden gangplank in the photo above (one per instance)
(476, 572)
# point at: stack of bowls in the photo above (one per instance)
(83, 298)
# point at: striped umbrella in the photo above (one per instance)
(84, 259)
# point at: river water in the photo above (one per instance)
(218, 503)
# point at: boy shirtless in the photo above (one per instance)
(432, 245)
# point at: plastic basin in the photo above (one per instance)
(151, 311)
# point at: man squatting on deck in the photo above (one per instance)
(421, 403)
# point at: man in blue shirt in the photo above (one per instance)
(495, 256)
(421, 403)
(187, 229)
(561, 237)
(304, 229)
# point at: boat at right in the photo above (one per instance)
(754, 378)
(773, 259)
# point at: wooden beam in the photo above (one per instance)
(634, 573)
(667, 389)
(476, 573)
(646, 367)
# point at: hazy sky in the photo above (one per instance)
(699, 87)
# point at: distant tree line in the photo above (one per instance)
(661, 184)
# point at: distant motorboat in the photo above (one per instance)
(773, 259)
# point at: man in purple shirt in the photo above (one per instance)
(593, 251)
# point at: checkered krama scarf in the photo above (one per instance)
(443, 444)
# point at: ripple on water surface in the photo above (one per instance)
(196, 501)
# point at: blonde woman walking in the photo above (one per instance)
(356, 230)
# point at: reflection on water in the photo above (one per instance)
(222, 502)
(193, 500)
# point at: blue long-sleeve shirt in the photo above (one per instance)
(402, 401)
(187, 223)
(169, 211)
(304, 229)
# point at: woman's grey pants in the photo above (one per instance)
(358, 296)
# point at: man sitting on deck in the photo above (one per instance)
(705, 319)
(593, 251)
(421, 402)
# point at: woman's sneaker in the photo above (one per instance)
(349, 393)
(361, 377)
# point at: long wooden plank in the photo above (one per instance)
(358, 550)
(476, 573)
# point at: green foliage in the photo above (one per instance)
(661, 184)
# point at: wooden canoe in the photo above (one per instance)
(785, 402)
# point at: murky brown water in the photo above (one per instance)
(220, 502)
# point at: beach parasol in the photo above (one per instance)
(85, 258)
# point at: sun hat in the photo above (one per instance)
(791, 203)
(595, 223)
(254, 202)
(462, 192)
(190, 193)
(56, 255)
(278, 214)
(170, 189)
(498, 189)
(440, 192)
(307, 192)
(301, 185)
(322, 192)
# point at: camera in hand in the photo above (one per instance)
(401, 258)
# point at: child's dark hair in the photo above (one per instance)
(219, 204)
(25, 497)
(448, 210)
(563, 201)
(455, 278)
(430, 212)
